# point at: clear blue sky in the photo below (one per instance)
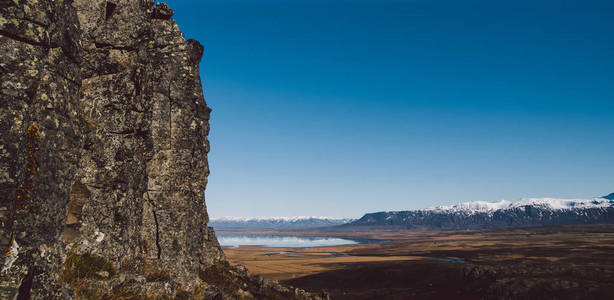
(339, 108)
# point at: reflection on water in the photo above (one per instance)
(236, 240)
(454, 260)
(337, 254)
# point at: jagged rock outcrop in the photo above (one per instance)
(103, 154)
(144, 160)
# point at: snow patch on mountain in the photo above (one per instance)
(546, 203)
(475, 206)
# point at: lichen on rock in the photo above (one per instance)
(39, 134)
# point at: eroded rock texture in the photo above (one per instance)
(144, 165)
(103, 155)
(40, 134)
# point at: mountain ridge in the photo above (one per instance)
(494, 215)
(302, 222)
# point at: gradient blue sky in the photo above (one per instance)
(339, 108)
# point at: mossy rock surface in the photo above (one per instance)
(80, 266)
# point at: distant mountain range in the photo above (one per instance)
(276, 223)
(492, 215)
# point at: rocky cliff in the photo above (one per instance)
(103, 152)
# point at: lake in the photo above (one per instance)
(235, 240)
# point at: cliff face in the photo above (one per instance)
(143, 167)
(103, 155)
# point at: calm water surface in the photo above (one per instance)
(235, 240)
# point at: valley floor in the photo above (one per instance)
(567, 262)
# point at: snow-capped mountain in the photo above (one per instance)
(502, 214)
(245, 223)
(545, 203)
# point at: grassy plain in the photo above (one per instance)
(554, 262)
